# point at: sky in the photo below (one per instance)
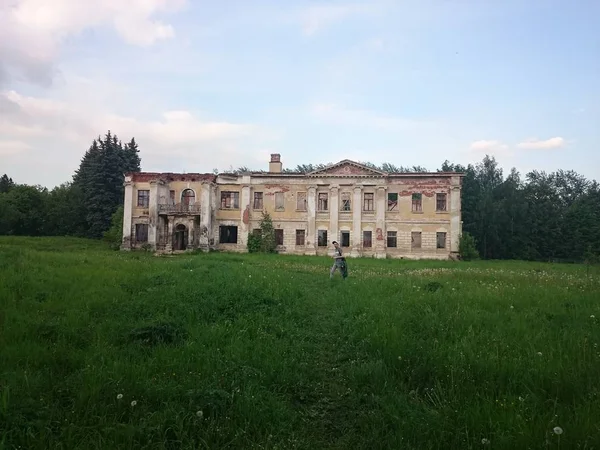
(205, 85)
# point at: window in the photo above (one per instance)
(279, 205)
(141, 232)
(228, 234)
(278, 236)
(188, 197)
(257, 232)
(300, 236)
(415, 239)
(440, 202)
(323, 201)
(345, 239)
(369, 201)
(230, 200)
(345, 201)
(392, 239)
(417, 204)
(322, 241)
(258, 201)
(143, 198)
(172, 197)
(441, 239)
(367, 239)
(392, 201)
(301, 201)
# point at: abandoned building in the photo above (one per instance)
(369, 212)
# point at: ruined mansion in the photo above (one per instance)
(369, 212)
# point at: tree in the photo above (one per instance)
(265, 241)
(6, 184)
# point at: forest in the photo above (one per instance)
(536, 216)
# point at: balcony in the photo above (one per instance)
(179, 209)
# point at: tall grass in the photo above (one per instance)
(102, 349)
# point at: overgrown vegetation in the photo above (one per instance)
(103, 349)
(264, 241)
(467, 247)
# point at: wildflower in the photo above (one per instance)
(512, 307)
(119, 396)
(485, 441)
(592, 316)
(558, 430)
(539, 353)
(521, 399)
(200, 414)
(133, 403)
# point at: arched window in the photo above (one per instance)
(188, 197)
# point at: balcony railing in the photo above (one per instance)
(179, 208)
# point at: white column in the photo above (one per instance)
(127, 213)
(311, 226)
(169, 244)
(244, 209)
(455, 214)
(153, 214)
(205, 214)
(356, 221)
(380, 207)
(334, 208)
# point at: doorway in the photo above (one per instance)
(180, 237)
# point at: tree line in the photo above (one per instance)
(539, 216)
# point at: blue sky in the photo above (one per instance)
(227, 83)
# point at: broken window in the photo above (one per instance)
(367, 239)
(323, 201)
(141, 232)
(143, 200)
(417, 202)
(415, 239)
(440, 202)
(258, 200)
(345, 201)
(228, 234)
(392, 201)
(172, 197)
(441, 239)
(369, 201)
(300, 237)
(230, 200)
(301, 202)
(188, 197)
(392, 239)
(322, 241)
(279, 199)
(278, 236)
(345, 239)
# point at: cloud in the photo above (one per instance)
(31, 31)
(483, 146)
(174, 140)
(536, 144)
(335, 114)
(317, 17)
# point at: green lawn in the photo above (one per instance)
(265, 351)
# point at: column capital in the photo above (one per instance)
(358, 188)
(334, 188)
(128, 183)
(311, 187)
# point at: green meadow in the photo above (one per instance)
(112, 350)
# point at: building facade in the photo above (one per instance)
(369, 212)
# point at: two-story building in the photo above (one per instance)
(369, 212)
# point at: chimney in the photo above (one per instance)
(275, 164)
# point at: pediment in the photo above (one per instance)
(347, 168)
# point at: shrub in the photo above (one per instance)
(467, 247)
(114, 234)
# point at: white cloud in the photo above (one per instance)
(31, 31)
(333, 113)
(536, 144)
(317, 17)
(176, 140)
(483, 146)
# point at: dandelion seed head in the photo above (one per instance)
(485, 441)
(200, 414)
(119, 396)
(133, 403)
(557, 430)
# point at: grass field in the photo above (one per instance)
(102, 349)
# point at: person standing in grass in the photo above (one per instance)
(339, 262)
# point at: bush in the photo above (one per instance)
(254, 243)
(114, 234)
(467, 247)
